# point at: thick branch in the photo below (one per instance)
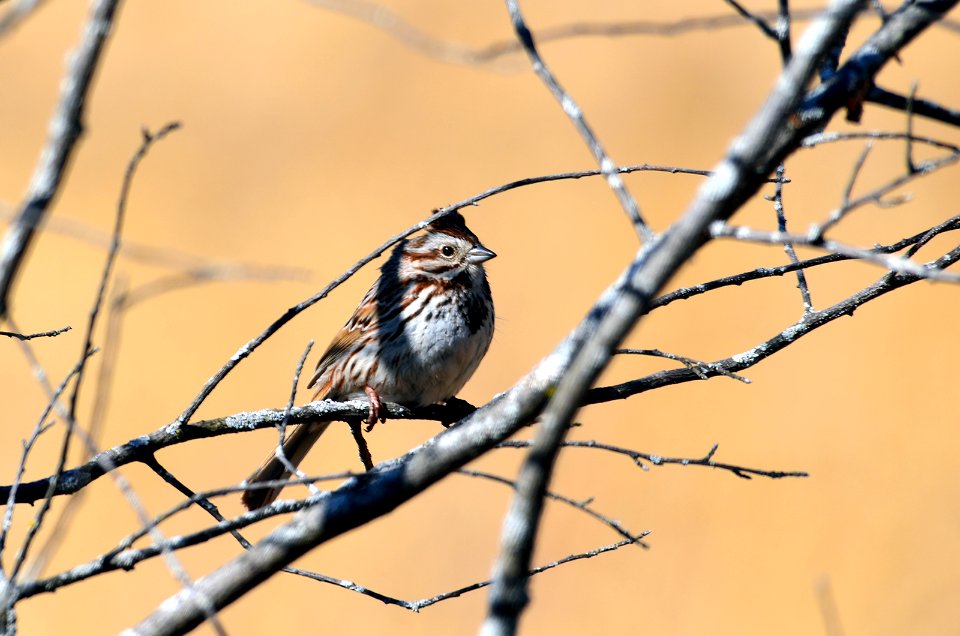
(141, 449)
(739, 176)
(362, 499)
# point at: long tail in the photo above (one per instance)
(295, 447)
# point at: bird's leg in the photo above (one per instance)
(362, 447)
(375, 407)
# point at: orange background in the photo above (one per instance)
(310, 137)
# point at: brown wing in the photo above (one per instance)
(364, 318)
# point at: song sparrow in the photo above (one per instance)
(416, 337)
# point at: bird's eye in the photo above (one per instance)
(446, 251)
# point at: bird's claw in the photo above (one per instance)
(375, 409)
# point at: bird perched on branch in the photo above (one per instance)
(416, 338)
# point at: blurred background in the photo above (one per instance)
(309, 137)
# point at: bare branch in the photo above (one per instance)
(583, 506)
(382, 17)
(65, 128)
(40, 427)
(911, 166)
(31, 336)
(690, 363)
(761, 24)
(71, 416)
(396, 481)
(723, 193)
(744, 360)
(71, 429)
(392, 23)
(209, 273)
(783, 30)
(896, 264)
(915, 241)
(821, 138)
(121, 558)
(572, 111)
(147, 143)
(788, 247)
(282, 428)
(659, 460)
(197, 268)
(105, 374)
(418, 605)
(846, 206)
(921, 107)
(140, 449)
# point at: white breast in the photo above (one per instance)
(436, 352)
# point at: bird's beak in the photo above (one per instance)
(479, 254)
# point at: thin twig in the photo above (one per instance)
(418, 605)
(282, 427)
(911, 166)
(817, 231)
(363, 450)
(761, 24)
(87, 343)
(196, 267)
(583, 506)
(749, 358)
(126, 559)
(207, 274)
(914, 242)
(38, 429)
(204, 501)
(818, 139)
(788, 247)
(105, 374)
(660, 460)
(382, 17)
(71, 415)
(573, 112)
(31, 336)
(926, 237)
(690, 363)
(897, 264)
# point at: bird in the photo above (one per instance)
(416, 338)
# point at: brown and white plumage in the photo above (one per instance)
(416, 337)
